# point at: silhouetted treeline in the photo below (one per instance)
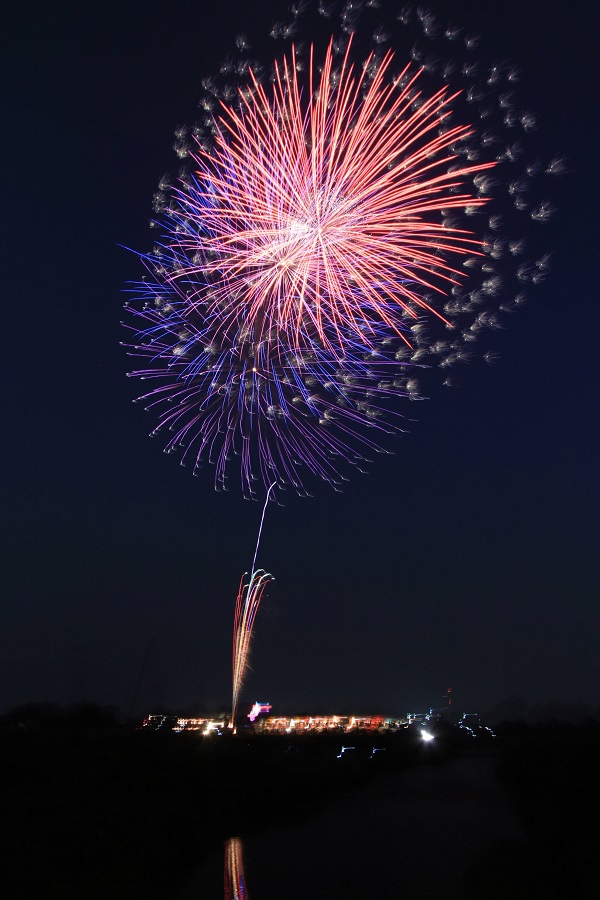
(52, 717)
(515, 709)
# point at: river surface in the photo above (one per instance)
(421, 833)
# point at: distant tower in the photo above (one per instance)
(447, 699)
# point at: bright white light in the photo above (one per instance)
(299, 229)
(427, 735)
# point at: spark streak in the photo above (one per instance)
(247, 603)
(246, 607)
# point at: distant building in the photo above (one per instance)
(178, 724)
(281, 724)
(160, 723)
(300, 724)
(257, 709)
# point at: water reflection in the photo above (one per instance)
(235, 880)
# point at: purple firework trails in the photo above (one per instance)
(342, 226)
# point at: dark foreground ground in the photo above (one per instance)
(95, 810)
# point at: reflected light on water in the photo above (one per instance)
(235, 882)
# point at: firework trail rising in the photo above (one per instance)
(247, 603)
(347, 220)
(260, 527)
(246, 607)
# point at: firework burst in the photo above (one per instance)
(314, 217)
(339, 229)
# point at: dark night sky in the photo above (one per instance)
(469, 558)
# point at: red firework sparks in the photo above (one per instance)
(246, 607)
(322, 213)
(321, 249)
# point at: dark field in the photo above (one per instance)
(92, 809)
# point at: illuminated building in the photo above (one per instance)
(177, 724)
(257, 709)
